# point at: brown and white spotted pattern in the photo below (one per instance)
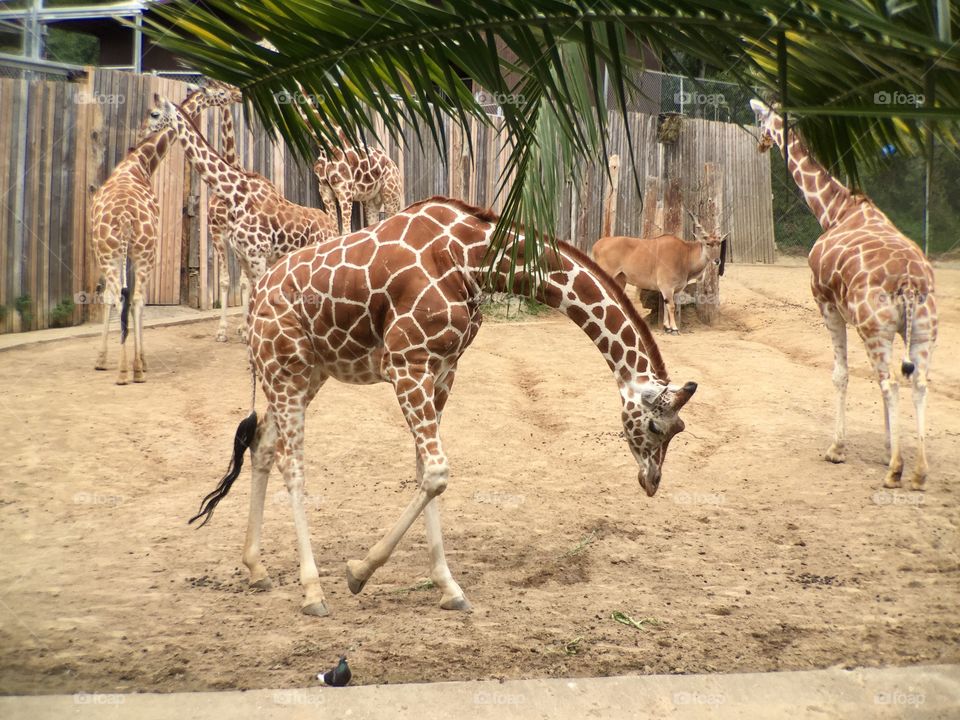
(218, 224)
(263, 226)
(353, 174)
(124, 221)
(399, 302)
(865, 273)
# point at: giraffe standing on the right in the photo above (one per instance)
(870, 275)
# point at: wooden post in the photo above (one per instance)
(673, 208)
(651, 196)
(610, 201)
(708, 285)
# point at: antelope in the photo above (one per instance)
(665, 263)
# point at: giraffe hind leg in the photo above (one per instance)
(837, 453)
(920, 355)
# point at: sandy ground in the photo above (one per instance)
(755, 555)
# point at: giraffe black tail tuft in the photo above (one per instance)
(124, 314)
(241, 441)
(908, 296)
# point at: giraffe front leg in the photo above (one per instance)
(263, 456)
(221, 254)
(346, 215)
(415, 391)
(371, 212)
(837, 453)
(453, 597)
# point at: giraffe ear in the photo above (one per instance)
(651, 394)
(157, 99)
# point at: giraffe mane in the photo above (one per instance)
(650, 348)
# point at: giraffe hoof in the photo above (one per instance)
(100, 366)
(262, 584)
(918, 482)
(892, 481)
(836, 456)
(121, 381)
(353, 582)
(138, 377)
(457, 603)
(317, 609)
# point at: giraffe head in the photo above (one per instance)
(651, 417)
(771, 125)
(218, 94)
(164, 114)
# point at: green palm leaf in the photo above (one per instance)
(404, 60)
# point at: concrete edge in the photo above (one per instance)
(921, 691)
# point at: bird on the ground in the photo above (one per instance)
(338, 676)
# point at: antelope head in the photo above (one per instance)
(712, 241)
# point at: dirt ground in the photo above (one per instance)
(755, 555)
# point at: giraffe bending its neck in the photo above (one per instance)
(124, 220)
(400, 302)
(363, 175)
(865, 273)
(262, 224)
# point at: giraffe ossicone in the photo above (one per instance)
(865, 273)
(400, 302)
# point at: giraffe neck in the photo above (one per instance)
(148, 154)
(227, 136)
(152, 149)
(577, 288)
(222, 178)
(827, 197)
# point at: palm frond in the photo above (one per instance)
(405, 60)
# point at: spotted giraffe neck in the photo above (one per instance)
(827, 197)
(575, 286)
(153, 148)
(228, 138)
(222, 178)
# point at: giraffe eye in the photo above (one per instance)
(654, 429)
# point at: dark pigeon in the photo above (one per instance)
(338, 676)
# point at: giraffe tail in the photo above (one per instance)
(125, 290)
(908, 297)
(241, 441)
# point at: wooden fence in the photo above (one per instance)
(60, 140)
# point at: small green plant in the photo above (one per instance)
(624, 619)
(62, 314)
(500, 306)
(422, 585)
(216, 304)
(3, 313)
(572, 647)
(585, 541)
(23, 306)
